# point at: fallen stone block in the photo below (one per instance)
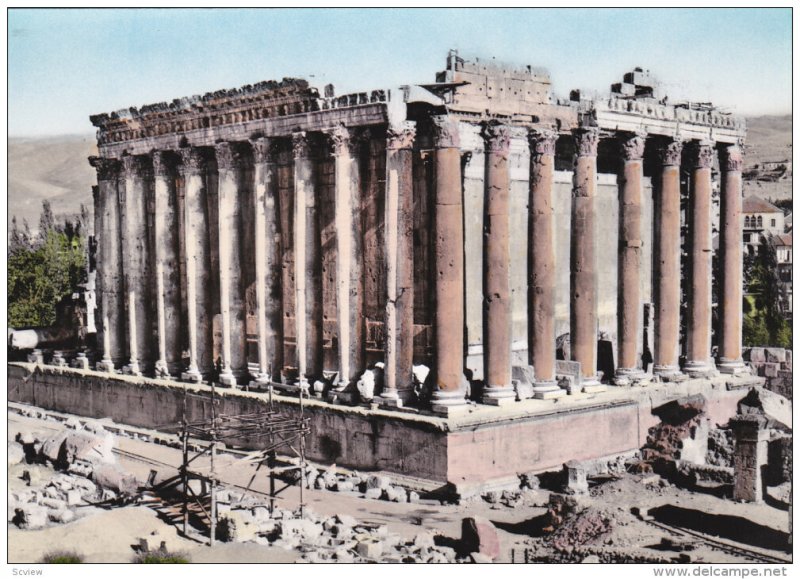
(232, 527)
(771, 369)
(74, 497)
(88, 447)
(346, 521)
(374, 493)
(413, 497)
(370, 549)
(73, 423)
(30, 517)
(479, 558)
(31, 476)
(344, 486)
(16, 454)
(378, 482)
(60, 515)
(55, 504)
(575, 481)
(775, 355)
(344, 556)
(111, 477)
(776, 408)
(480, 535)
(424, 540)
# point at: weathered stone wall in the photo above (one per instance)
(774, 364)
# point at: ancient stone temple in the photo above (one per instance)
(520, 246)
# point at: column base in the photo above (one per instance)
(192, 375)
(132, 369)
(261, 381)
(36, 357)
(733, 367)
(389, 400)
(499, 395)
(81, 362)
(226, 378)
(105, 366)
(628, 376)
(59, 359)
(591, 384)
(547, 390)
(449, 403)
(162, 371)
(669, 373)
(700, 369)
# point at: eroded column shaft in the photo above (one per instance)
(308, 282)
(496, 280)
(699, 326)
(730, 313)
(630, 253)
(583, 274)
(198, 271)
(347, 215)
(230, 159)
(667, 277)
(542, 264)
(267, 261)
(167, 270)
(137, 263)
(110, 281)
(449, 264)
(399, 223)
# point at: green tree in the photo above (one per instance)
(765, 323)
(42, 269)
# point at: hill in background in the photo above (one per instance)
(56, 168)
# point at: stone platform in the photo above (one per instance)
(486, 447)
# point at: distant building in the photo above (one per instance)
(782, 244)
(760, 217)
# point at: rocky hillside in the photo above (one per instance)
(768, 157)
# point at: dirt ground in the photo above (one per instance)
(109, 535)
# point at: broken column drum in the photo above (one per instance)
(698, 351)
(497, 255)
(630, 257)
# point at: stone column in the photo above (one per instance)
(749, 455)
(136, 262)
(110, 286)
(308, 286)
(347, 210)
(629, 304)
(497, 255)
(168, 277)
(730, 309)
(583, 274)
(198, 274)
(399, 228)
(449, 394)
(698, 354)
(268, 262)
(230, 160)
(667, 264)
(542, 265)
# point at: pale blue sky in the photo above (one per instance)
(67, 64)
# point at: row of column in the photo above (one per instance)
(583, 262)
(144, 278)
(132, 280)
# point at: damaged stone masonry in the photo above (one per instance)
(456, 273)
(272, 234)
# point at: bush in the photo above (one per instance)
(161, 557)
(62, 558)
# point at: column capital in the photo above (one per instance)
(542, 142)
(497, 137)
(632, 145)
(445, 132)
(671, 153)
(342, 141)
(230, 155)
(301, 148)
(586, 141)
(401, 135)
(193, 161)
(265, 149)
(164, 163)
(702, 154)
(731, 159)
(140, 166)
(107, 168)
